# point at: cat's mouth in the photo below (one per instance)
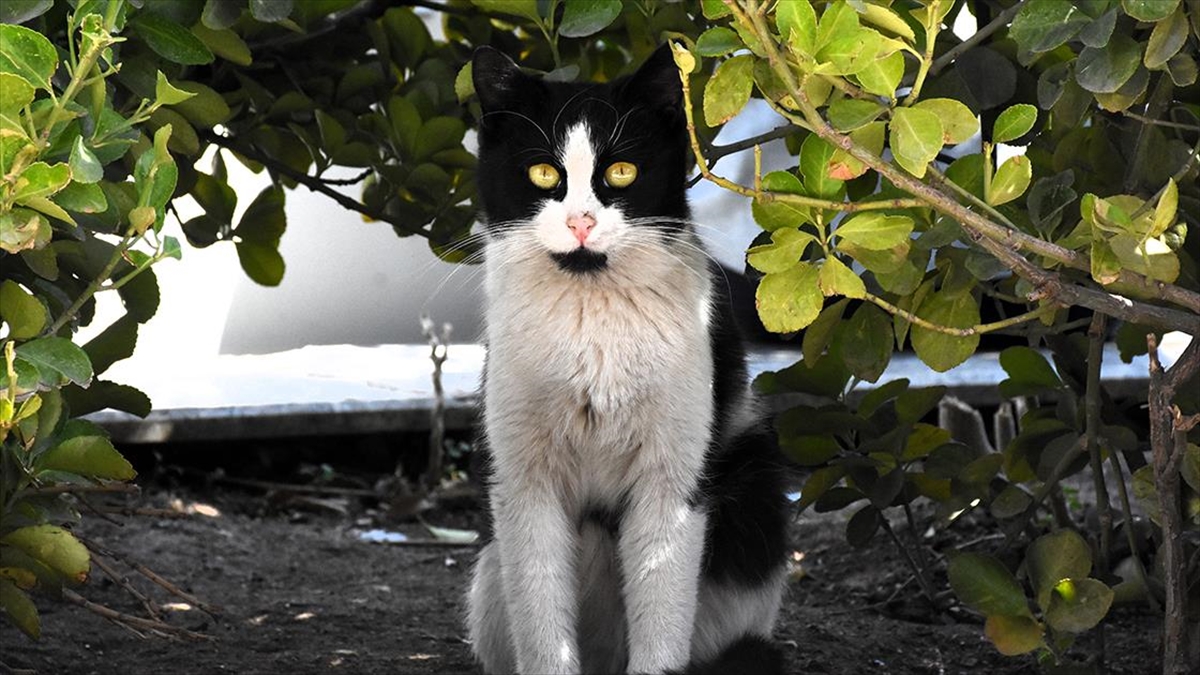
(581, 261)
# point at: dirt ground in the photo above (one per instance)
(299, 592)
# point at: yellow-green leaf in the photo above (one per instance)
(19, 609)
(958, 122)
(797, 23)
(916, 139)
(1013, 635)
(883, 75)
(938, 350)
(887, 19)
(836, 278)
(91, 456)
(784, 251)
(57, 548)
(729, 89)
(1014, 123)
(790, 300)
(28, 55)
(23, 312)
(1011, 180)
(875, 231)
(1164, 212)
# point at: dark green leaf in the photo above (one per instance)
(437, 134)
(221, 14)
(862, 526)
(1149, 10)
(867, 342)
(837, 499)
(985, 585)
(1054, 557)
(1098, 32)
(270, 11)
(939, 350)
(809, 450)
(820, 332)
(265, 220)
(1105, 70)
(584, 17)
(848, 114)
(1166, 40)
(1029, 373)
(1042, 25)
(103, 394)
(170, 40)
(113, 344)
(261, 263)
(1077, 605)
(20, 11)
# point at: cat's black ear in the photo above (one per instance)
(499, 82)
(656, 83)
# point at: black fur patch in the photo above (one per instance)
(581, 261)
(743, 487)
(749, 655)
(608, 518)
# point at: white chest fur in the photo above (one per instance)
(584, 371)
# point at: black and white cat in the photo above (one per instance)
(637, 502)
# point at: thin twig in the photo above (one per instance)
(154, 577)
(269, 486)
(123, 581)
(129, 620)
(1002, 20)
(1093, 421)
(1159, 123)
(926, 586)
(126, 488)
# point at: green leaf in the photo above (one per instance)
(41, 180)
(959, 124)
(1149, 10)
(22, 229)
(582, 18)
(15, 94)
(916, 139)
(712, 9)
(263, 264)
(882, 76)
(1182, 69)
(773, 215)
(867, 342)
(1077, 605)
(1042, 25)
(837, 279)
(938, 350)
(844, 166)
(170, 40)
(1011, 180)
(790, 300)
(22, 311)
(1150, 257)
(224, 43)
(115, 343)
(221, 14)
(166, 93)
(20, 11)
(1013, 635)
(729, 89)
(57, 548)
(887, 19)
(525, 8)
(17, 606)
(1014, 123)
(984, 584)
(437, 134)
(155, 174)
(875, 231)
(797, 23)
(270, 11)
(103, 394)
(848, 114)
(1166, 40)
(265, 220)
(819, 333)
(862, 526)
(27, 54)
(405, 122)
(839, 20)
(819, 482)
(1164, 212)
(1104, 70)
(1029, 373)
(85, 168)
(718, 41)
(815, 155)
(1098, 32)
(913, 405)
(849, 54)
(58, 356)
(784, 251)
(1054, 557)
(91, 456)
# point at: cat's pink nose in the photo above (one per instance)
(581, 225)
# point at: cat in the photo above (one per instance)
(637, 502)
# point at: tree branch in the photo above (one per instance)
(312, 183)
(980, 35)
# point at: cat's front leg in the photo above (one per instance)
(661, 546)
(536, 544)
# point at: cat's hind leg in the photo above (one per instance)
(487, 619)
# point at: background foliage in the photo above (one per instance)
(905, 221)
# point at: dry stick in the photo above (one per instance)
(152, 576)
(1096, 334)
(269, 486)
(130, 621)
(127, 488)
(123, 581)
(922, 580)
(1168, 443)
(1003, 243)
(438, 349)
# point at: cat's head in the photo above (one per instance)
(581, 170)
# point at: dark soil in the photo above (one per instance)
(300, 593)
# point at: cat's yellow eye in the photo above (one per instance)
(544, 176)
(620, 174)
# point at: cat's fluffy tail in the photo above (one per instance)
(749, 655)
